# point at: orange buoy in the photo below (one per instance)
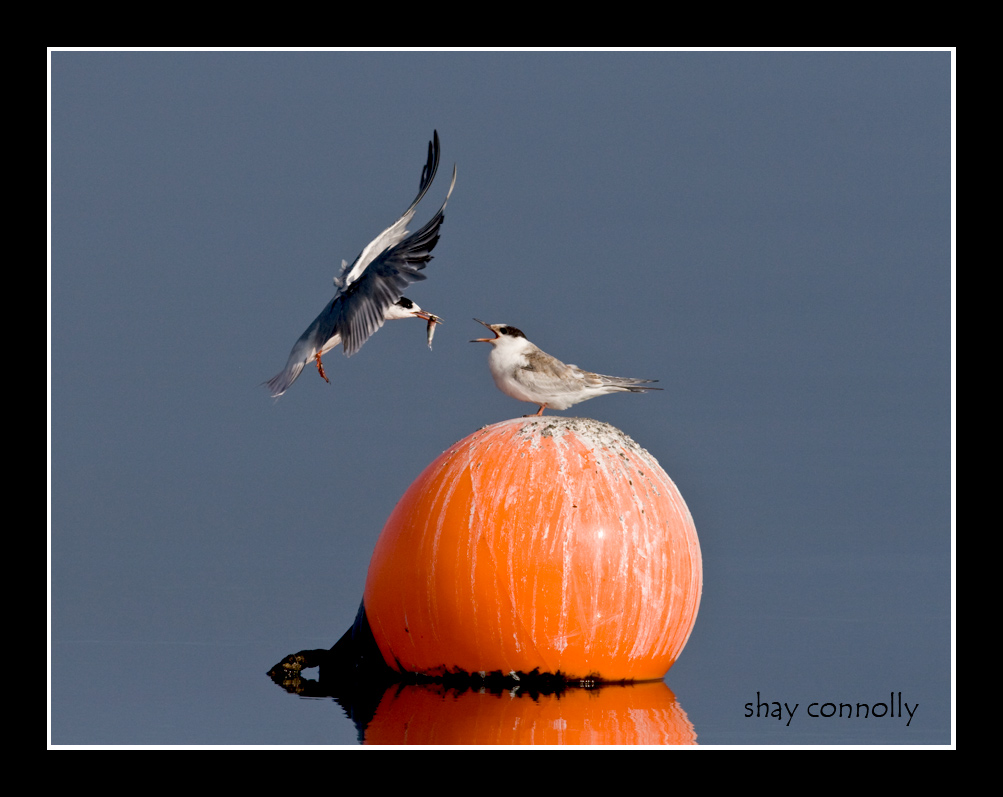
(545, 543)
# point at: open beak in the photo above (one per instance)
(485, 340)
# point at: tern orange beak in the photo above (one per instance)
(485, 340)
(428, 316)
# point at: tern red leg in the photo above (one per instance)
(320, 368)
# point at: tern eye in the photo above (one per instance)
(515, 333)
(406, 303)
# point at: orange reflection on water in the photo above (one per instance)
(635, 714)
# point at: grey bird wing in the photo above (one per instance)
(545, 367)
(546, 371)
(627, 383)
(359, 309)
(393, 234)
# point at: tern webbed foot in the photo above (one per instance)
(320, 368)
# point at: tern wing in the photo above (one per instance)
(361, 308)
(546, 374)
(395, 233)
(549, 373)
(622, 382)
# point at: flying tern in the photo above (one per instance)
(525, 372)
(370, 290)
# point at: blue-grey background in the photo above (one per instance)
(768, 234)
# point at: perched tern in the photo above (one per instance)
(525, 372)
(370, 291)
